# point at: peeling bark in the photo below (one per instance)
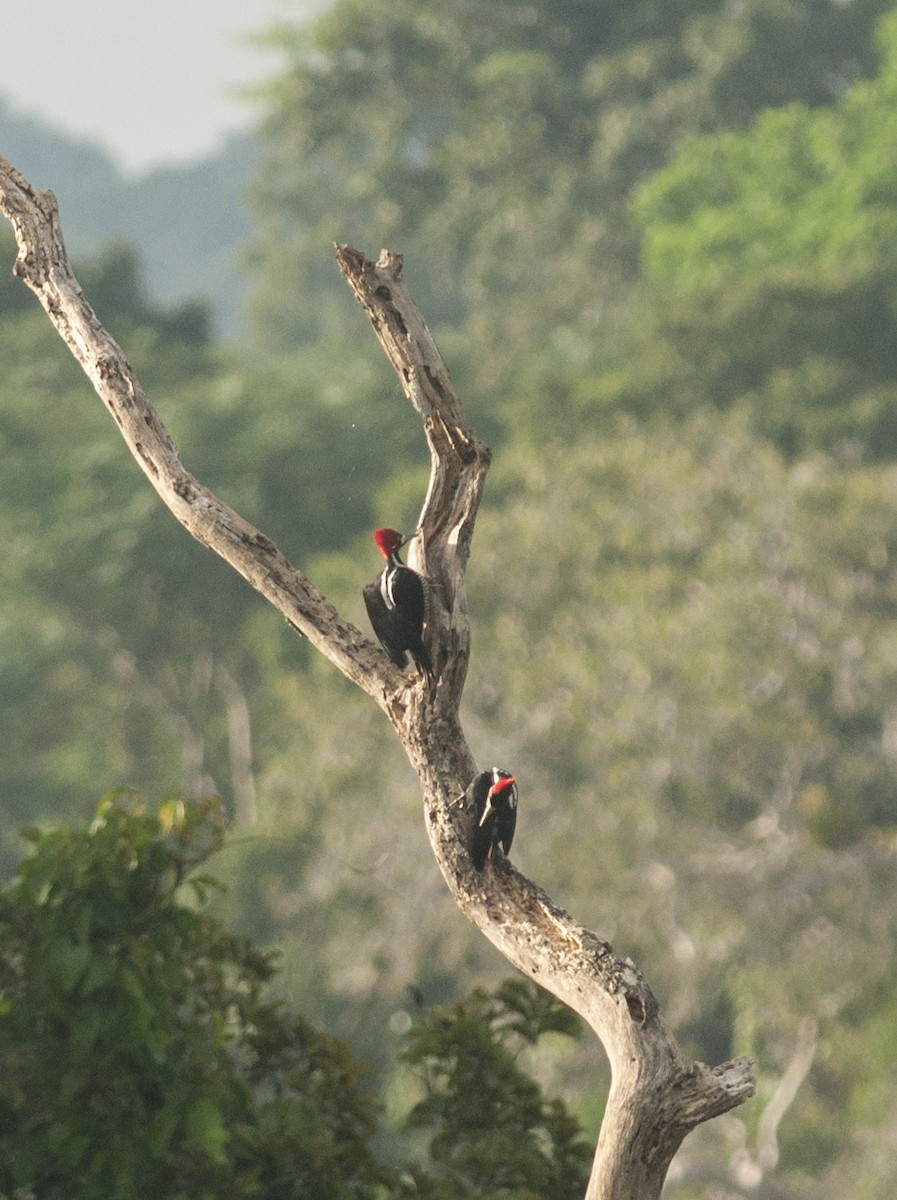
(657, 1095)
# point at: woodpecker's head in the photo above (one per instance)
(503, 789)
(390, 542)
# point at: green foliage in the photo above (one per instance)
(94, 569)
(806, 359)
(491, 1130)
(701, 717)
(726, 593)
(496, 144)
(772, 256)
(118, 294)
(804, 187)
(141, 1058)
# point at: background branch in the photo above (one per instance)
(657, 1094)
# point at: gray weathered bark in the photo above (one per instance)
(657, 1095)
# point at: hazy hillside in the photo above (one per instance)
(188, 222)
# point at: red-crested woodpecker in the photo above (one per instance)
(491, 805)
(398, 602)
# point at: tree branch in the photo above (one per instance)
(458, 459)
(43, 264)
(657, 1096)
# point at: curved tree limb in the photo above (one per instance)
(657, 1095)
(43, 265)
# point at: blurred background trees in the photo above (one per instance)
(657, 249)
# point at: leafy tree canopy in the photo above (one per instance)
(770, 266)
(496, 143)
(141, 1058)
(492, 1132)
(804, 188)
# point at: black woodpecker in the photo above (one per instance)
(491, 805)
(397, 602)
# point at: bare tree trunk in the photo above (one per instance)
(657, 1095)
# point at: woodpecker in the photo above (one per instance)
(491, 804)
(397, 602)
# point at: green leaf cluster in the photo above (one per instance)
(803, 187)
(770, 253)
(141, 1057)
(491, 1130)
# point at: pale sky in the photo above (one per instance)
(154, 81)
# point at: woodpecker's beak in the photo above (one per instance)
(409, 537)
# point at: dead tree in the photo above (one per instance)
(657, 1095)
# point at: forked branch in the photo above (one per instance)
(657, 1095)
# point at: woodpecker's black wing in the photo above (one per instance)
(396, 602)
(482, 819)
(382, 623)
(406, 594)
(506, 820)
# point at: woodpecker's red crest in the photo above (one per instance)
(501, 785)
(390, 541)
